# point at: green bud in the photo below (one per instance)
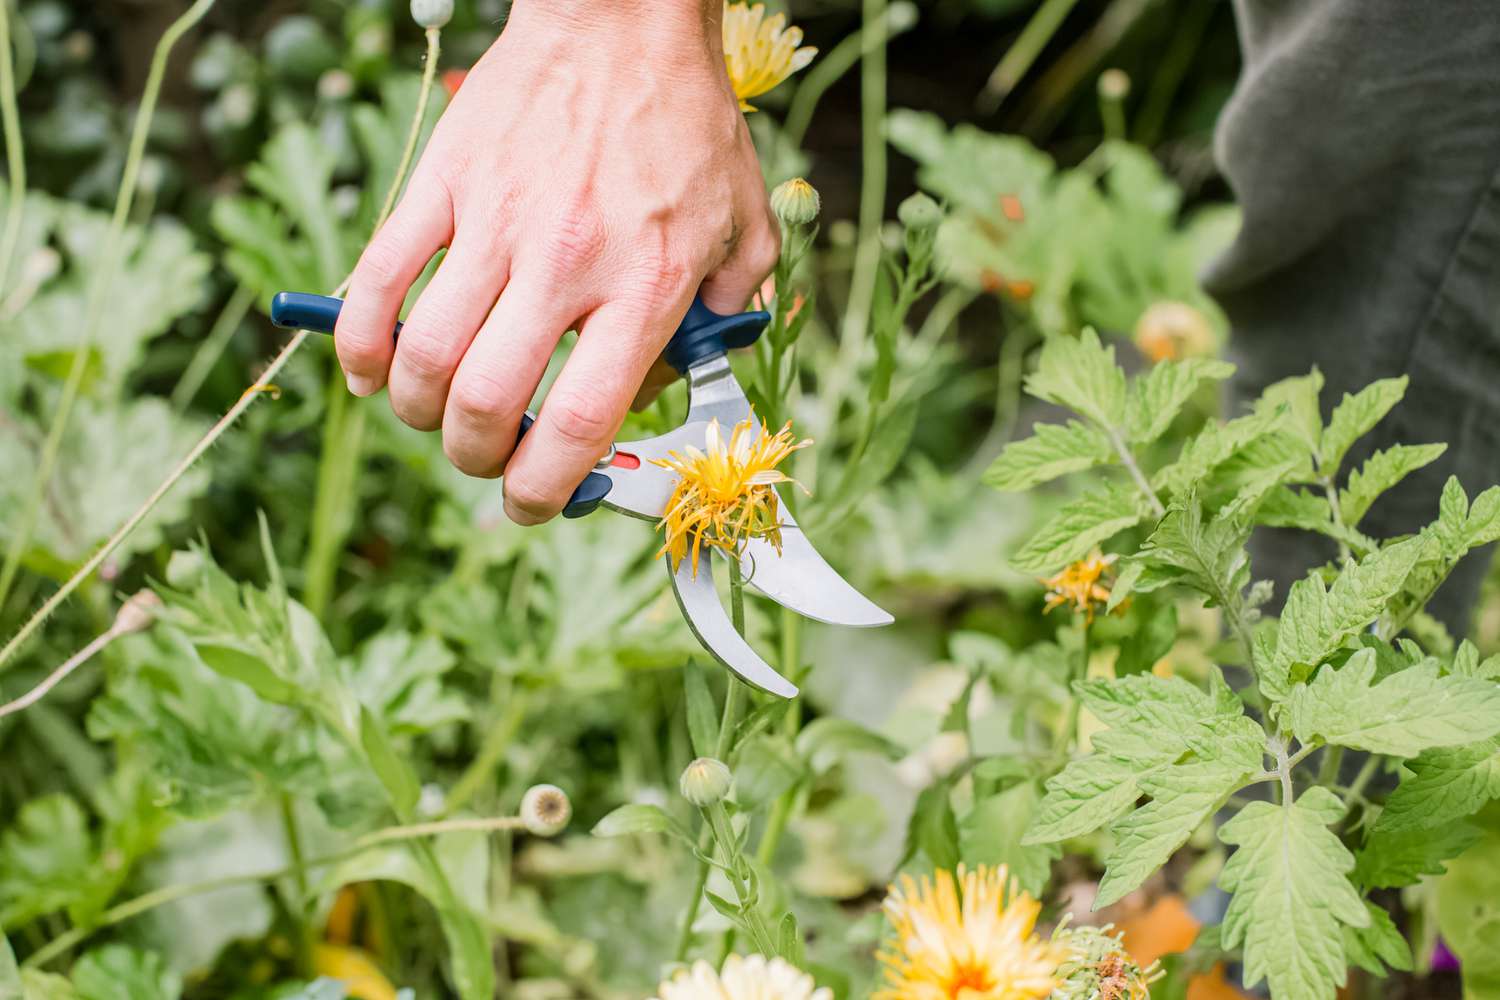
(795, 202)
(1114, 85)
(431, 13)
(545, 810)
(919, 212)
(705, 781)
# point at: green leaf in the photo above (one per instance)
(1292, 897)
(1317, 621)
(1149, 641)
(934, 829)
(1407, 712)
(1468, 916)
(46, 860)
(1079, 527)
(702, 715)
(1482, 526)
(1389, 860)
(1081, 374)
(1183, 796)
(250, 670)
(1355, 417)
(789, 941)
(1211, 447)
(1299, 396)
(639, 817)
(1379, 945)
(1054, 450)
(1158, 396)
(393, 770)
(828, 739)
(118, 972)
(1209, 557)
(1442, 786)
(993, 831)
(1380, 472)
(10, 975)
(1082, 797)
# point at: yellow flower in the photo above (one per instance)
(354, 968)
(743, 978)
(1083, 584)
(1171, 331)
(724, 495)
(759, 51)
(983, 947)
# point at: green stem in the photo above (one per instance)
(15, 156)
(170, 894)
(830, 69)
(496, 741)
(1328, 770)
(212, 347)
(429, 70)
(1192, 21)
(718, 820)
(109, 260)
(1357, 787)
(1023, 52)
(35, 622)
(334, 499)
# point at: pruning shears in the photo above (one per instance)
(626, 479)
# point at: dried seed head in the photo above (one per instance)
(137, 613)
(431, 13)
(705, 781)
(919, 212)
(545, 810)
(795, 202)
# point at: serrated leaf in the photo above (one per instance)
(992, 833)
(1409, 711)
(1317, 621)
(119, 972)
(1082, 797)
(1183, 796)
(1379, 945)
(1081, 374)
(46, 860)
(1291, 895)
(1079, 527)
(1053, 450)
(1380, 472)
(1355, 416)
(1391, 859)
(1208, 556)
(1442, 786)
(1157, 397)
(1148, 642)
(1299, 396)
(1482, 525)
(1211, 447)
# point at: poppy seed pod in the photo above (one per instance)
(919, 212)
(705, 781)
(431, 13)
(545, 810)
(795, 202)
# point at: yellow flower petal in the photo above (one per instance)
(760, 52)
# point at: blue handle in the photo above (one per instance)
(319, 313)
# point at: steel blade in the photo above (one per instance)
(699, 601)
(800, 579)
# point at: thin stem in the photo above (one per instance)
(212, 347)
(1328, 770)
(171, 893)
(1326, 482)
(334, 497)
(15, 155)
(99, 289)
(57, 676)
(718, 820)
(413, 133)
(1023, 52)
(214, 433)
(1357, 787)
(1127, 459)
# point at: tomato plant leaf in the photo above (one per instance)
(1081, 374)
(1355, 416)
(1079, 526)
(1157, 397)
(1379, 945)
(1291, 895)
(1053, 450)
(1380, 472)
(993, 832)
(1391, 859)
(1441, 786)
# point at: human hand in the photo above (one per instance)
(592, 172)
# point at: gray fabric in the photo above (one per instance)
(1363, 144)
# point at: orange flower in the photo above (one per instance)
(1083, 584)
(1171, 331)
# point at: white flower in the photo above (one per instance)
(743, 977)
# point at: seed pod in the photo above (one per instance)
(705, 781)
(1114, 85)
(137, 613)
(431, 13)
(795, 202)
(545, 810)
(919, 212)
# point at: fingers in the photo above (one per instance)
(658, 378)
(421, 224)
(443, 324)
(499, 374)
(583, 410)
(756, 248)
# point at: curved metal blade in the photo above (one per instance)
(700, 605)
(802, 580)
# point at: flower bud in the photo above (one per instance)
(431, 13)
(1114, 85)
(919, 212)
(795, 202)
(545, 810)
(705, 781)
(137, 613)
(1171, 331)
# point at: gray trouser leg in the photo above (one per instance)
(1363, 143)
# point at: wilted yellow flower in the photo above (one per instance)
(743, 978)
(1171, 331)
(724, 495)
(760, 51)
(983, 947)
(355, 969)
(1083, 584)
(1099, 966)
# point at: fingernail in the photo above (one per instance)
(361, 385)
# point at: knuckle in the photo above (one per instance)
(381, 266)
(479, 398)
(469, 459)
(577, 238)
(580, 421)
(429, 358)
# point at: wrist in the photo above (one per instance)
(654, 23)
